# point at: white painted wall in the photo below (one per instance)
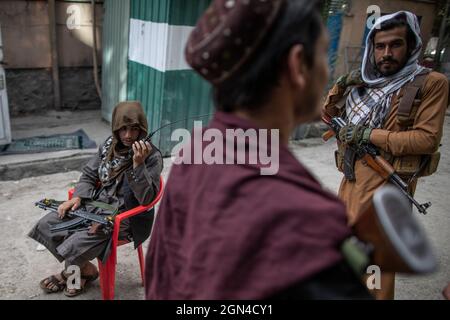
(158, 45)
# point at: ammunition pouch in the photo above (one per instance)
(345, 159)
(339, 157)
(404, 166)
(349, 164)
(413, 165)
(339, 160)
(431, 165)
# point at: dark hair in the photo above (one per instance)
(299, 22)
(398, 21)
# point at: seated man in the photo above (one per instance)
(128, 172)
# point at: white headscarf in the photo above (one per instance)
(370, 104)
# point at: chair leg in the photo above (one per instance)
(108, 277)
(141, 263)
(112, 277)
(104, 280)
(108, 273)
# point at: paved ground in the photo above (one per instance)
(22, 265)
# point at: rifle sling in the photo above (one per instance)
(411, 92)
(104, 206)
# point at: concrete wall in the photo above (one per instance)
(26, 37)
(31, 91)
(354, 23)
(26, 41)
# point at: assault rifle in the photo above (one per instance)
(80, 217)
(371, 155)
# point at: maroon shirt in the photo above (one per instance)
(227, 232)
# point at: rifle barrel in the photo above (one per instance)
(403, 187)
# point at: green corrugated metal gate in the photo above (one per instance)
(115, 54)
(158, 75)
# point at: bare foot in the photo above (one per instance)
(89, 270)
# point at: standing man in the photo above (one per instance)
(225, 231)
(393, 103)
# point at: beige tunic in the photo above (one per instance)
(424, 138)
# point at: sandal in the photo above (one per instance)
(77, 292)
(59, 285)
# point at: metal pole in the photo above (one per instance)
(54, 54)
(94, 51)
(441, 36)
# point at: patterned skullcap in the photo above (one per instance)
(227, 34)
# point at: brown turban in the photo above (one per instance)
(227, 34)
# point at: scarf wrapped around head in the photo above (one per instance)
(371, 103)
(116, 157)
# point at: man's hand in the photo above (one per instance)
(141, 151)
(355, 134)
(71, 204)
(95, 227)
(351, 79)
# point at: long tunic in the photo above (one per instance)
(422, 139)
(143, 182)
(77, 247)
(227, 232)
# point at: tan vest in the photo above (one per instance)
(410, 166)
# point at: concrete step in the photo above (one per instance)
(19, 166)
(33, 165)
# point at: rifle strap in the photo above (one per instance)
(410, 94)
(104, 206)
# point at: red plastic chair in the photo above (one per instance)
(108, 270)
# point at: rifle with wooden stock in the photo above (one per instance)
(371, 155)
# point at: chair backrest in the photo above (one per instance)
(140, 209)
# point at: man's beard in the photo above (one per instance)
(393, 71)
